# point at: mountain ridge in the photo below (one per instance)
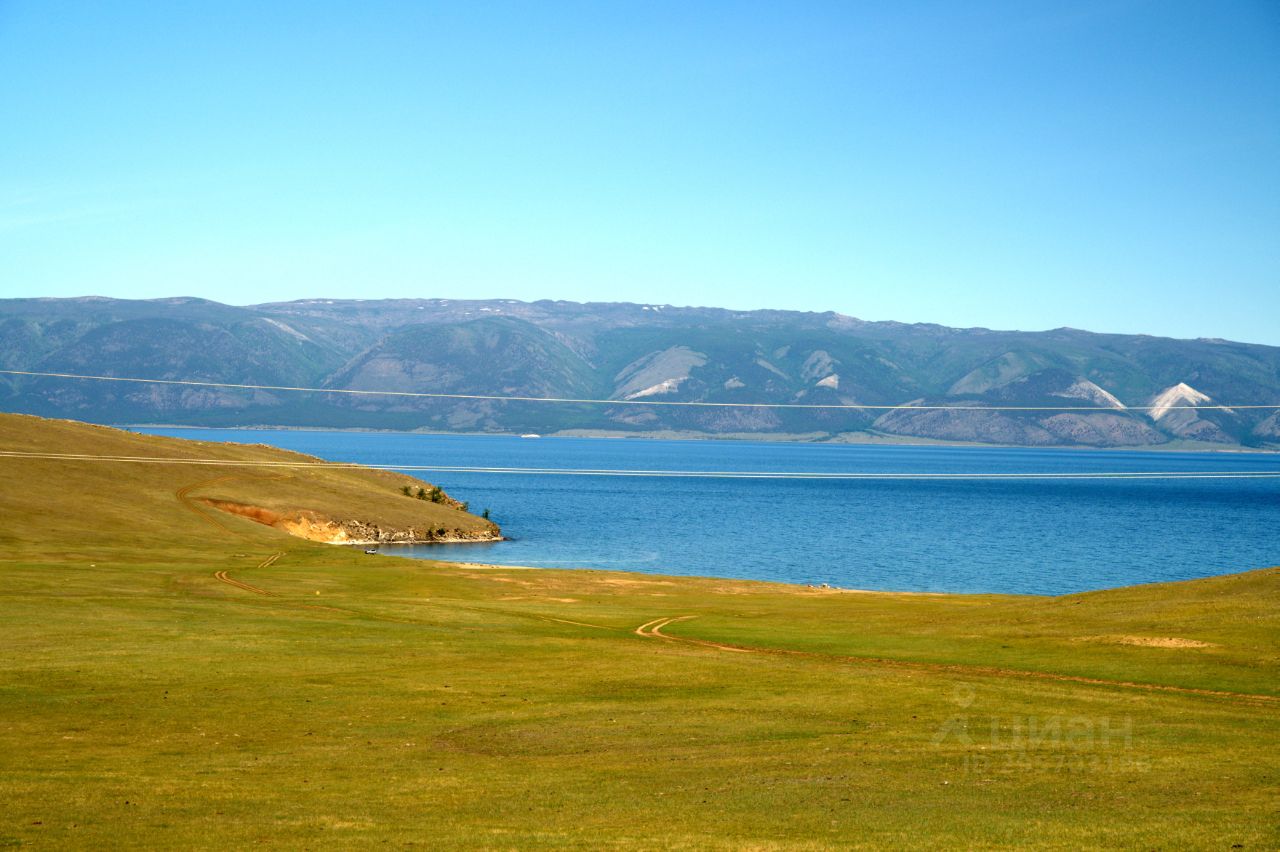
(951, 383)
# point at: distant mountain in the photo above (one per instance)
(632, 354)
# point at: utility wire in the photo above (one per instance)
(690, 474)
(691, 404)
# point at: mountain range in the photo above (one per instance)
(950, 384)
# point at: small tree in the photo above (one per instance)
(437, 494)
(406, 490)
(422, 494)
(485, 514)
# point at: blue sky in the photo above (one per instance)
(1104, 165)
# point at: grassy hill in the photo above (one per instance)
(177, 676)
(152, 495)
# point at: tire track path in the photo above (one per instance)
(183, 496)
(240, 584)
(653, 630)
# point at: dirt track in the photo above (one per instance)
(653, 630)
(183, 496)
(240, 584)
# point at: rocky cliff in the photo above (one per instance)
(314, 526)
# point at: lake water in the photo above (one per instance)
(1031, 536)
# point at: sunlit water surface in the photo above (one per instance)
(1033, 536)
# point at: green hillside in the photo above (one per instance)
(176, 676)
(155, 491)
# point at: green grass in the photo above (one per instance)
(372, 700)
(88, 500)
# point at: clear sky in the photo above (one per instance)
(1105, 165)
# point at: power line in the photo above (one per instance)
(688, 474)
(677, 403)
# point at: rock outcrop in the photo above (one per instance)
(1174, 409)
(316, 527)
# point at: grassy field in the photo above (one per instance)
(173, 676)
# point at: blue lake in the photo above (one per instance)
(1030, 536)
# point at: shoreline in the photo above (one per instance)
(803, 588)
(871, 439)
(825, 589)
(412, 542)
